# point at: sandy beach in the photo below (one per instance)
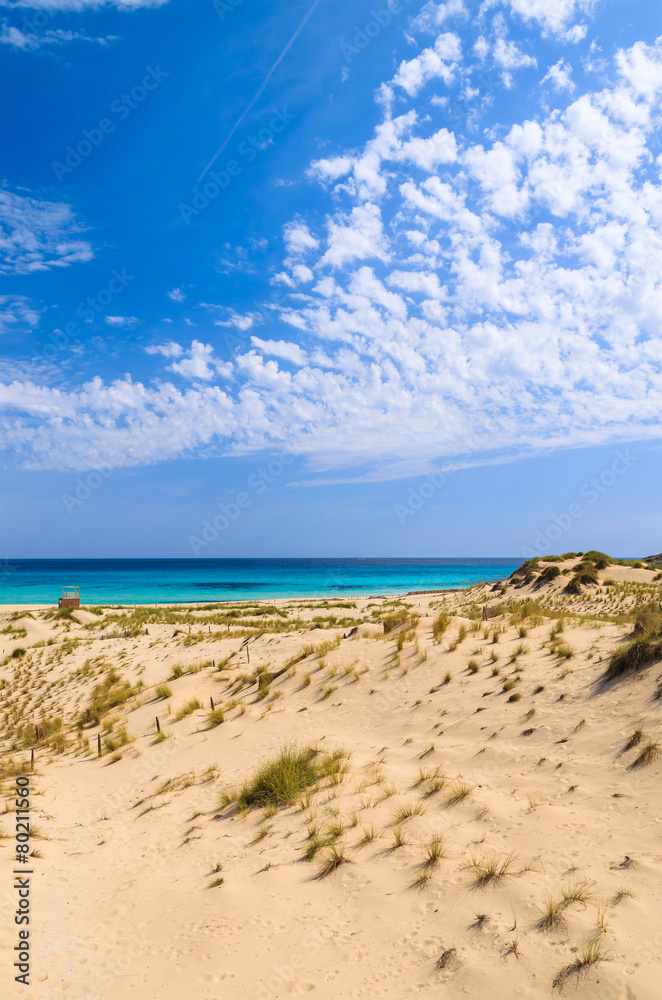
(483, 818)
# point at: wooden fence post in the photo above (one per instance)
(158, 725)
(32, 759)
(211, 702)
(98, 744)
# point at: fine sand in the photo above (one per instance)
(502, 741)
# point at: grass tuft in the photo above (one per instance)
(332, 860)
(647, 755)
(490, 870)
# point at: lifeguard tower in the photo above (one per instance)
(70, 598)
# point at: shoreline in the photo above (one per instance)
(198, 605)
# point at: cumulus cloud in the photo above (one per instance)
(560, 76)
(356, 236)
(168, 350)
(176, 294)
(504, 298)
(555, 19)
(437, 62)
(199, 363)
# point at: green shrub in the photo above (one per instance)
(548, 574)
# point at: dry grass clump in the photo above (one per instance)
(406, 812)
(491, 870)
(112, 692)
(446, 958)
(281, 781)
(590, 955)
(633, 740)
(643, 649)
(457, 792)
(435, 851)
(580, 892)
(649, 753)
(215, 717)
(332, 860)
(369, 834)
(439, 625)
(552, 914)
(163, 691)
(188, 708)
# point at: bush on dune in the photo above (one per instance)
(279, 782)
(643, 649)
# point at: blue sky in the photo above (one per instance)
(409, 254)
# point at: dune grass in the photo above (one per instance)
(491, 870)
(649, 753)
(215, 717)
(188, 708)
(590, 955)
(280, 782)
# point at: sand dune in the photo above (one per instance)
(494, 836)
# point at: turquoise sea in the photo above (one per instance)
(175, 581)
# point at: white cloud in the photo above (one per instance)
(439, 62)
(199, 363)
(17, 312)
(281, 349)
(560, 76)
(176, 294)
(30, 41)
(237, 320)
(498, 302)
(355, 237)
(38, 235)
(433, 15)
(555, 17)
(298, 238)
(168, 350)
(507, 55)
(122, 320)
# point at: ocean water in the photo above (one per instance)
(175, 581)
